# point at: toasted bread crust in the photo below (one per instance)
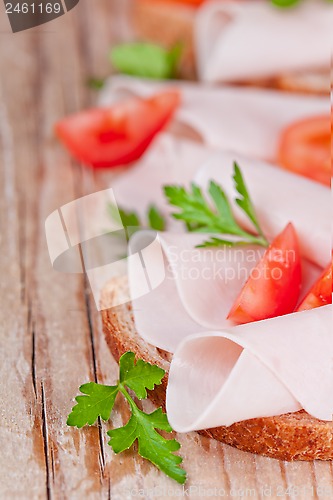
(165, 24)
(293, 436)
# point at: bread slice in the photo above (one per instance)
(293, 436)
(167, 23)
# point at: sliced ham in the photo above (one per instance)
(168, 161)
(245, 120)
(192, 289)
(197, 291)
(279, 197)
(229, 39)
(262, 369)
(222, 374)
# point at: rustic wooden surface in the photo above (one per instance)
(51, 338)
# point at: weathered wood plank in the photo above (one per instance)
(21, 439)
(65, 357)
(57, 328)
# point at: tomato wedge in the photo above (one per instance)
(274, 284)
(117, 135)
(305, 148)
(321, 292)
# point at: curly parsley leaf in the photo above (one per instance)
(98, 401)
(215, 215)
(146, 60)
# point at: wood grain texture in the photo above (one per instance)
(51, 337)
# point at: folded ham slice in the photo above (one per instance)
(167, 161)
(265, 368)
(197, 292)
(262, 369)
(245, 120)
(203, 298)
(279, 197)
(195, 287)
(229, 39)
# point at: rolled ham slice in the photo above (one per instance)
(245, 120)
(229, 39)
(261, 369)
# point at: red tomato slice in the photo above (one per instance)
(117, 135)
(274, 284)
(321, 292)
(305, 148)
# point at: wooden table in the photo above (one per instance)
(51, 339)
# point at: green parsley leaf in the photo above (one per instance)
(99, 400)
(146, 60)
(285, 3)
(288, 3)
(139, 376)
(224, 212)
(95, 83)
(151, 445)
(131, 219)
(244, 202)
(128, 219)
(156, 219)
(194, 208)
(174, 56)
(218, 242)
(215, 216)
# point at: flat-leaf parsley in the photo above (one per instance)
(98, 401)
(215, 215)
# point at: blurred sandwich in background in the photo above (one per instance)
(249, 42)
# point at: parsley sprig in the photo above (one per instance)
(146, 60)
(216, 216)
(130, 219)
(98, 401)
(288, 3)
